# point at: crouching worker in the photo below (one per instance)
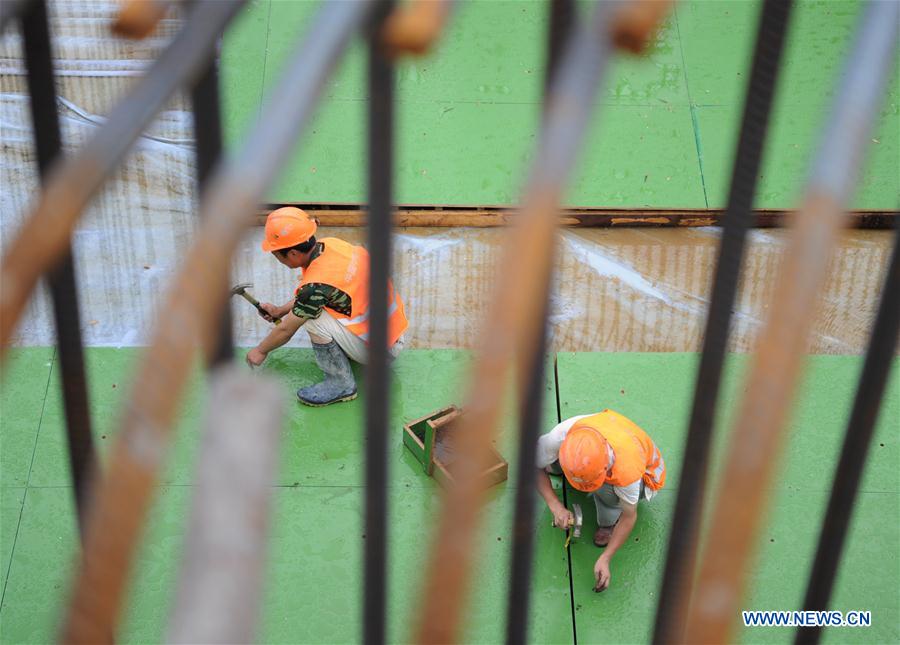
(332, 302)
(609, 457)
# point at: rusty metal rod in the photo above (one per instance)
(531, 407)
(206, 106)
(190, 316)
(138, 18)
(73, 181)
(222, 569)
(514, 321)
(415, 27)
(635, 25)
(378, 376)
(759, 431)
(857, 439)
(562, 17)
(672, 605)
(63, 287)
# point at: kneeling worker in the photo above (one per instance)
(612, 459)
(332, 301)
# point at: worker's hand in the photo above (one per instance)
(269, 311)
(563, 518)
(601, 573)
(255, 357)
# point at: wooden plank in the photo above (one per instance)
(491, 216)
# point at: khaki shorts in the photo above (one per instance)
(327, 326)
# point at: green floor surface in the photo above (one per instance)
(25, 378)
(655, 390)
(467, 114)
(314, 581)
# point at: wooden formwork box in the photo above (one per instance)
(422, 435)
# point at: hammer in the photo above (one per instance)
(575, 529)
(241, 290)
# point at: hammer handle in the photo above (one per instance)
(253, 301)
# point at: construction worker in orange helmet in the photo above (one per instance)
(613, 460)
(331, 301)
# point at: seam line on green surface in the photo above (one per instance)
(262, 87)
(37, 434)
(699, 149)
(536, 104)
(566, 503)
(694, 124)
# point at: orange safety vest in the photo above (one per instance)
(634, 457)
(346, 267)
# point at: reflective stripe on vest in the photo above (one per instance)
(346, 267)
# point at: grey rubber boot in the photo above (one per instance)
(339, 383)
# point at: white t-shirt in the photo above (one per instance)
(548, 452)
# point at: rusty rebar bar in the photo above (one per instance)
(73, 181)
(671, 608)
(562, 15)
(759, 431)
(857, 440)
(378, 375)
(206, 105)
(138, 18)
(62, 283)
(415, 27)
(221, 576)
(515, 319)
(190, 316)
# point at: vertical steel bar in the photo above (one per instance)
(71, 183)
(206, 104)
(672, 604)
(760, 428)
(194, 302)
(562, 15)
(857, 439)
(10, 10)
(378, 383)
(515, 320)
(416, 26)
(222, 569)
(63, 288)
(531, 406)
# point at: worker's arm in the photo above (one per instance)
(279, 335)
(562, 517)
(620, 533)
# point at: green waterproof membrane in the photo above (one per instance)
(663, 135)
(313, 583)
(656, 391)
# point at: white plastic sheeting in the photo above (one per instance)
(616, 290)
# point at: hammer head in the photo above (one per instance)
(579, 518)
(238, 289)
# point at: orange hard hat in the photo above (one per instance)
(584, 457)
(287, 227)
